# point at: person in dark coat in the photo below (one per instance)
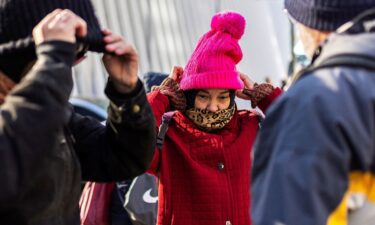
(133, 196)
(46, 148)
(314, 159)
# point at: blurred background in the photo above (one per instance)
(165, 33)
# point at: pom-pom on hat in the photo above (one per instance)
(213, 62)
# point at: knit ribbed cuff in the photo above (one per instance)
(258, 93)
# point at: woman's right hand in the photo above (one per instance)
(176, 73)
(170, 88)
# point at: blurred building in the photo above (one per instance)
(165, 33)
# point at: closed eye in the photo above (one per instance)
(223, 97)
(203, 97)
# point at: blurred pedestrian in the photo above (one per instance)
(153, 79)
(314, 160)
(268, 80)
(135, 201)
(46, 148)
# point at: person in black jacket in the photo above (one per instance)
(133, 196)
(46, 149)
(314, 159)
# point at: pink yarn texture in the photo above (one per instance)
(213, 62)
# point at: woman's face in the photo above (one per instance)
(212, 99)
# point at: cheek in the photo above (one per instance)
(200, 104)
(225, 104)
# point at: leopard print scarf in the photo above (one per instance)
(209, 121)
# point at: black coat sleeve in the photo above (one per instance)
(124, 147)
(32, 115)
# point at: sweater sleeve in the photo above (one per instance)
(34, 112)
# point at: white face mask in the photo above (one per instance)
(311, 39)
(307, 41)
(301, 56)
(301, 48)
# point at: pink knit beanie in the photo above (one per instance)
(213, 62)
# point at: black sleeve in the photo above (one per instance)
(124, 147)
(31, 116)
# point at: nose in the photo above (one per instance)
(212, 107)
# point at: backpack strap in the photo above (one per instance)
(348, 60)
(260, 116)
(260, 119)
(163, 128)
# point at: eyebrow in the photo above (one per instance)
(207, 92)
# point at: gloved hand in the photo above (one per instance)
(253, 91)
(258, 93)
(170, 88)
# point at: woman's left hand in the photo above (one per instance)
(249, 84)
(121, 61)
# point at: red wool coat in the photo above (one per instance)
(204, 177)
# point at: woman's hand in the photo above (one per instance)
(249, 85)
(170, 88)
(254, 92)
(121, 62)
(176, 73)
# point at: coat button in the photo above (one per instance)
(220, 166)
(136, 108)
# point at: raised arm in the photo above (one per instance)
(125, 146)
(260, 95)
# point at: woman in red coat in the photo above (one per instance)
(205, 162)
